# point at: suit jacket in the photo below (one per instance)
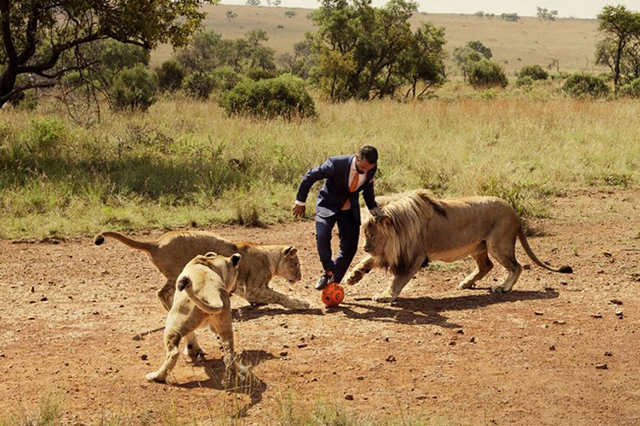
(335, 191)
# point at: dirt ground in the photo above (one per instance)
(559, 349)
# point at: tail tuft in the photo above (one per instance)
(566, 269)
(98, 240)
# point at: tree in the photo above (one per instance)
(469, 54)
(36, 34)
(621, 27)
(424, 60)
(253, 3)
(510, 17)
(359, 46)
(231, 15)
(545, 14)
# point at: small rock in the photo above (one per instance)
(472, 340)
(2, 355)
(421, 397)
(391, 358)
(608, 353)
(596, 315)
(33, 289)
(437, 333)
(538, 313)
(619, 313)
(561, 322)
(284, 353)
(607, 254)
(552, 347)
(348, 397)
(386, 339)
(44, 299)
(616, 301)
(600, 271)
(602, 366)
(526, 266)
(460, 331)
(360, 378)
(304, 345)
(314, 379)
(143, 357)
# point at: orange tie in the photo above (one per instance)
(352, 188)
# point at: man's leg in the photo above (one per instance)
(349, 231)
(324, 226)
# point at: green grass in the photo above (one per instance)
(186, 163)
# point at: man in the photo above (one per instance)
(346, 176)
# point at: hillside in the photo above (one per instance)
(530, 41)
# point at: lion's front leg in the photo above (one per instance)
(360, 270)
(267, 295)
(397, 284)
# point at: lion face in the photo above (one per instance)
(289, 266)
(376, 235)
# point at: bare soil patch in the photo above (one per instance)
(559, 349)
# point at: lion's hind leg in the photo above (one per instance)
(483, 266)
(165, 294)
(171, 341)
(235, 372)
(506, 257)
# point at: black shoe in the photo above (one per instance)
(323, 281)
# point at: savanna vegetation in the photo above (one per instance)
(222, 132)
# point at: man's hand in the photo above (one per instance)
(376, 211)
(299, 211)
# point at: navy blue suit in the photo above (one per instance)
(331, 199)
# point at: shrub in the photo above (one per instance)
(199, 85)
(631, 89)
(582, 85)
(133, 88)
(285, 96)
(225, 78)
(45, 135)
(525, 82)
(484, 73)
(169, 76)
(535, 72)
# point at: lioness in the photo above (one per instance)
(415, 228)
(202, 300)
(173, 250)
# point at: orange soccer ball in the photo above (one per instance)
(332, 294)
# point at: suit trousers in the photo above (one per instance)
(348, 231)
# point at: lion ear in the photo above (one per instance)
(385, 220)
(290, 251)
(235, 259)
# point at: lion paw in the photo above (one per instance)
(464, 285)
(299, 304)
(383, 298)
(500, 289)
(354, 277)
(155, 377)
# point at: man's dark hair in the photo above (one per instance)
(369, 153)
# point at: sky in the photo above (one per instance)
(583, 9)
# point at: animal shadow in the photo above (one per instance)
(249, 312)
(252, 386)
(427, 310)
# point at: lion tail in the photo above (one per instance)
(566, 269)
(138, 245)
(212, 306)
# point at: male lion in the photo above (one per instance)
(173, 250)
(415, 228)
(202, 300)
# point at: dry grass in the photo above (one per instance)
(186, 162)
(514, 44)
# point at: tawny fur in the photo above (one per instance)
(173, 250)
(415, 227)
(203, 301)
